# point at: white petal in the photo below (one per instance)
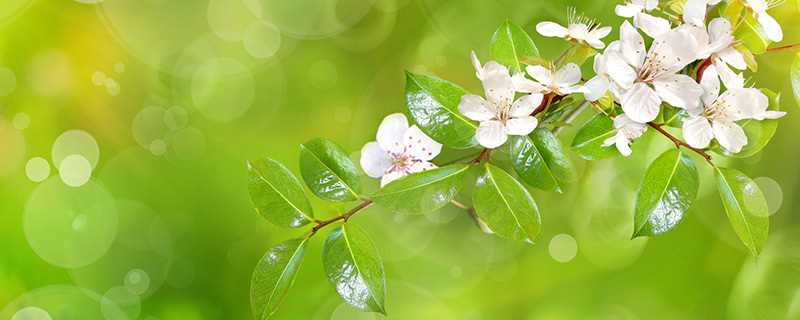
(697, 132)
(498, 86)
(595, 43)
(641, 103)
(744, 103)
(694, 12)
(623, 145)
(650, 5)
(551, 29)
(419, 166)
(719, 29)
(474, 107)
(730, 135)
(770, 27)
(733, 57)
(476, 64)
(595, 88)
(651, 25)
(731, 79)
(374, 160)
(600, 33)
(710, 84)
(631, 45)
(619, 70)
(539, 73)
(419, 145)
(525, 105)
(628, 10)
(391, 131)
(392, 176)
(631, 129)
(491, 134)
(679, 90)
(678, 48)
(525, 85)
(521, 126)
(568, 75)
(769, 114)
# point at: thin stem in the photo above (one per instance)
(483, 156)
(702, 69)
(784, 48)
(344, 216)
(678, 143)
(459, 205)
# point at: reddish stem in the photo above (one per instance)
(678, 143)
(702, 68)
(787, 47)
(344, 216)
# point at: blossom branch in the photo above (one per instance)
(679, 143)
(784, 48)
(343, 217)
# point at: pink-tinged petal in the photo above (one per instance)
(730, 79)
(651, 25)
(521, 126)
(595, 88)
(419, 145)
(525, 105)
(641, 103)
(540, 74)
(568, 75)
(374, 160)
(491, 134)
(770, 27)
(475, 107)
(632, 45)
(711, 86)
(730, 135)
(391, 131)
(697, 132)
(551, 29)
(679, 90)
(733, 57)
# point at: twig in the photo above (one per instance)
(483, 156)
(783, 48)
(678, 143)
(344, 216)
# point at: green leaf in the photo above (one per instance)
(795, 75)
(588, 142)
(750, 35)
(277, 195)
(577, 54)
(424, 191)
(511, 44)
(274, 275)
(355, 269)
(506, 206)
(328, 171)
(746, 208)
(539, 160)
(668, 189)
(758, 132)
(433, 104)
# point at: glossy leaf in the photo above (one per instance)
(433, 104)
(510, 45)
(745, 206)
(795, 76)
(539, 160)
(274, 276)
(588, 142)
(758, 132)
(277, 195)
(668, 190)
(355, 269)
(423, 192)
(506, 206)
(328, 171)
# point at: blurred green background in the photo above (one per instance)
(172, 96)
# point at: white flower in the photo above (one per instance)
(400, 150)
(499, 114)
(638, 10)
(562, 82)
(627, 131)
(718, 117)
(717, 44)
(768, 24)
(694, 11)
(601, 83)
(649, 77)
(578, 28)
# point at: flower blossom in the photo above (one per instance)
(716, 43)
(639, 10)
(627, 131)
(579, 28)
(770, 27)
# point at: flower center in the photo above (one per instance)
(716, 111)
(654, 66)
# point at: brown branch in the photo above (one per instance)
(344, 216)
(783, 48)
(679, 143)
(483, 156)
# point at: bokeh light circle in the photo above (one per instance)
(21, 121)
(176, 118)
(75, 170)
(137, 281)
(229, 19)
(223, 89)
(148, 125)
(563, 248)
(59, 302)
(31, 313)
(70, 227)
(75, 142)
(120, 304)
(37, 169)
(773, 193)
(262, 40)
(313, 18)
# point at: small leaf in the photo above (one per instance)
(758, 132)
(277, 195)
(539, 160)
(433, 104)
(355, 269)
(795, 75)
(510, 44)
(577, 54)
(423, 192)
(750, 35)
(506, 206)
(746, 208)
(588, 142)
(273, 277)
(668, 190)
(328, 171)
